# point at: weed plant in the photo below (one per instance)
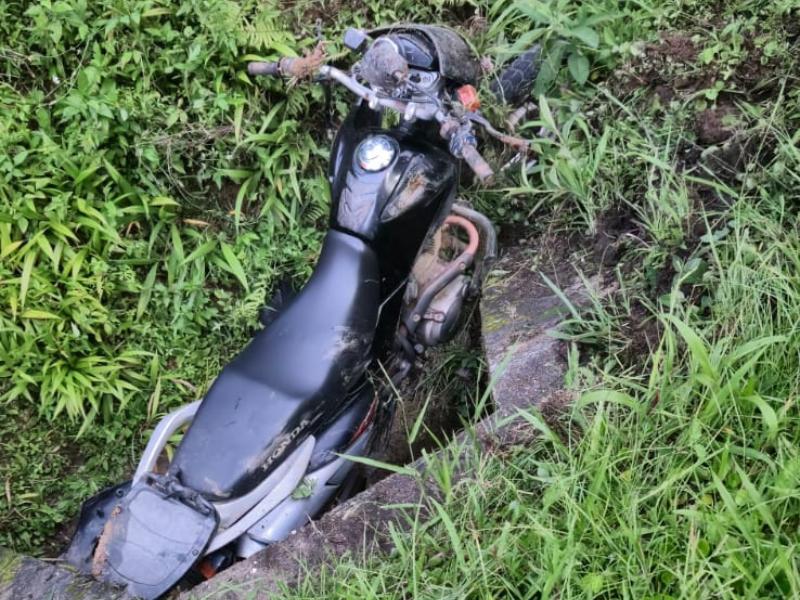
(151, 196)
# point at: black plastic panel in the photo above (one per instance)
(366, 203)
(151, 541)
(94, 514)
(337, 436)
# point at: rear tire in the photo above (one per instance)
(515, 82)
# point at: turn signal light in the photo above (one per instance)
(468, 96)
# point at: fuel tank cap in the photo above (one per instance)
(376, 152)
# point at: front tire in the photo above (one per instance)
(515, 82)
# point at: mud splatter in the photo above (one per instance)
(100, 557)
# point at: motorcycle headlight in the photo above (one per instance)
(376, 152)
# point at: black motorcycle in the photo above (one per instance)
(396, 266)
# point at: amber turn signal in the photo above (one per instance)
(468, 96)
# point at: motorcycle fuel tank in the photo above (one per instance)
(383, 175)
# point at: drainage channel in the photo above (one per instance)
(525, 367)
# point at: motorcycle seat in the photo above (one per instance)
(291, 379)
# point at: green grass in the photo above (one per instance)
(679, 475)
(678, 478)
(150, 197)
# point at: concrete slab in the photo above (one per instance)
(26, 578)
(518, 311)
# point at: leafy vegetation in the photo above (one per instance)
(677, 475)
(151, 196)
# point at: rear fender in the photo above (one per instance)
(145, 536)
(153, 537)
(94, 514)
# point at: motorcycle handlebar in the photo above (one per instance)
(477, 163)
(288, 66)
(265, 69)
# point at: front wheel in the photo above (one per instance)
(515, 82)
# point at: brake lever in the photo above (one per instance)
(520, 144)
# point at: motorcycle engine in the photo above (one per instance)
(439, 321)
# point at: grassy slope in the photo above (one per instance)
(681, 477)
(692, 495)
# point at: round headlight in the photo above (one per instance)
(376, 152)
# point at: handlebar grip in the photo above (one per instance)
(265, 69)
(476, 162)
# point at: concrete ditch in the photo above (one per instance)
(26, 578)
(527, 368)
